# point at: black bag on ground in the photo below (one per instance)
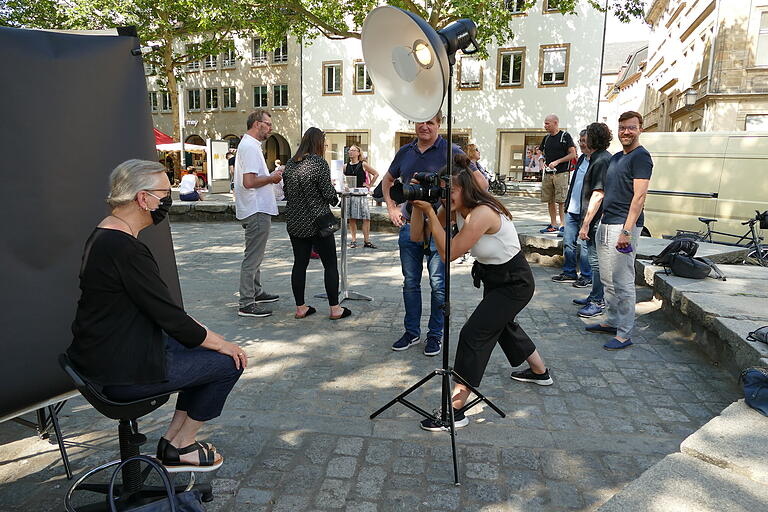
(682, 246)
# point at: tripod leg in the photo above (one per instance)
(478, 393)
(404, 394)
(448, 406)
(60, 440)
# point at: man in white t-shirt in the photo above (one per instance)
(254, 206)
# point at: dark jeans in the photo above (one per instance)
(192, 196)
(326, 248)
(202, 377)
(574, 248)
(494, 321)
(412, 256)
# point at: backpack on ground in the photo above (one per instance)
(755, 381)
(679, 258)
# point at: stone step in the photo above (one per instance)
(681, 483)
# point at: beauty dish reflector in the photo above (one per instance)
(407, 61)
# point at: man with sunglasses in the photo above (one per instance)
(254, 206)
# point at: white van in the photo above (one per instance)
(720, 175)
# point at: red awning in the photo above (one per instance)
(162, 138)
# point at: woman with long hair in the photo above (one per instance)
(473, 152)
(486, 229)
(357, 206)
(308, 194)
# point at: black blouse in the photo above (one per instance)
(124, 308)
(308, 192)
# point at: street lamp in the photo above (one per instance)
(690, 97)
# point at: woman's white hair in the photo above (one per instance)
(131, 177)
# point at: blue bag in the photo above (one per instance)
(755, 382)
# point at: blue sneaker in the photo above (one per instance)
(433, 346)
(592, 309)
(405, 342)
(581, 302)
(549, 229)
(615, 344)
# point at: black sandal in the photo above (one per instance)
(171, 458)
(163, 443)
(344, 314)
(352, 244)
(369, 245)
(310, 311)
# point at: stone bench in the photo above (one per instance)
(721, 467)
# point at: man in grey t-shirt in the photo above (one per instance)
(626, 185)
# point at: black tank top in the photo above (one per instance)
(356, 170)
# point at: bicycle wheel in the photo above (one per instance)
(502, 188)
(755, 258)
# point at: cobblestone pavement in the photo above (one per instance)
(296, 434)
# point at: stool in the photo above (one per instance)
(133, 491)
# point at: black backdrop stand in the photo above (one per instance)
(446, 418)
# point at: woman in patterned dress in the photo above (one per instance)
(308, 194)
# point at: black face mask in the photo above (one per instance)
(161, 212)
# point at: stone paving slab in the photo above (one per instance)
(736, 440)
(296, 435)
(681, 483)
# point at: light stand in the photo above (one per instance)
(454, 37)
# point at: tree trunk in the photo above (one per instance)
(173, 92)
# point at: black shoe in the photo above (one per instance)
(527, 375)
(253, 310)
(459, 421)
(582, 282)
(265, 297)
(564, 278)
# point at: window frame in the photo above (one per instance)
(329, 65)
(257, 59)
(193, 65)
(190, 95)
(154, 103)
(515, 12)
(163, 96)
(459, 85)
(281, 87)
(546, 9)
(547, 48)
(259, 95)
(282, 51)
(215, 63)
(355, 65)
(226, 94)
(214, 96)
(228, 58)
(761, 32)
(512, 51)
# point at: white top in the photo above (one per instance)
(250, 159)
(187, 184)
(497, 248)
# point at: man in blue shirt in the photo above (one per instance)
(626, 185)
(426, 153)
(572, 247)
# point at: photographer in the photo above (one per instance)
(485, 229)
(426, 153)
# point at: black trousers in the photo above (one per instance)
(493, 321)
(302, 249)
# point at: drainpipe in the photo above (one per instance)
(602, 59)
(711, 69)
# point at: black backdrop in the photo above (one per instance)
(71, 108)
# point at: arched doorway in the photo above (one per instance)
(233, 140)
(276, 148)
(195, 139)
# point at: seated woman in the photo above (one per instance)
(308, 192)
(131, 337)
(485, 229)
(188, 189)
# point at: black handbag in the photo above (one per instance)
(187, 501)
(327, 224)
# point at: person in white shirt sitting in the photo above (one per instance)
(188, 189)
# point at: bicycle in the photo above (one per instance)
(757, 253)
(497, 185)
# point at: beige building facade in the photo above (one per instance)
(707, 66)
(219, 91)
